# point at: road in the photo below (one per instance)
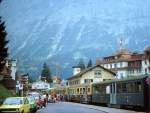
(63, 107)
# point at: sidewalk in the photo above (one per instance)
(105, 109)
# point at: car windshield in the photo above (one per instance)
(30, 99)
(35, 95)
(12, 101)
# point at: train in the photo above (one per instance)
(128, 93)
(131, 93)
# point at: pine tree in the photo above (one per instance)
(81, 64)
(31, 80)
(46, 73)
(89, 63)
(3, 43)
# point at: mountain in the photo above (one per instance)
(63, 31)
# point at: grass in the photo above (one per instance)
(5, 92)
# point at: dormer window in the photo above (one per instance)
(97, 73)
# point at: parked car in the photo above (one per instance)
(38, 98)
(15, 105)
(33, 105)
(44, 101)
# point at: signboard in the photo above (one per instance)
(148, 80)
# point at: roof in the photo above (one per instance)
(123, 51)
(122, 80)
(89, 69)
(147, 49)
(76, 66)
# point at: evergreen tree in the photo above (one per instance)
(81, 64)
(31, 80)
(3, 43)
(46, 73)
(89, 63)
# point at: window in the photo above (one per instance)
(97, 73)
(115, 65)
(121, 88)
(145, 62)
(46, 85)
(78, 90)
(84, 91)
(89, 90)
(88, 80)
(110, 65)
(121, 75)
(145, 71)
(130, 87)
(120, 64)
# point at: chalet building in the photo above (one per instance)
(146, 61)
(81, 81)
(126, 64)
(6, 80)
(12, 65)
(22, 82)
(90, 75)
(56, 79)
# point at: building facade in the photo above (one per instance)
(12, 65)
(40, 85)
(126, 64)
(80, 83)
(91, 75)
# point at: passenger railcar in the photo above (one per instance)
(131, 92)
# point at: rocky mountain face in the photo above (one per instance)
(63, 31)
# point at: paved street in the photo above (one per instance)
(66, 107)
(62, 107)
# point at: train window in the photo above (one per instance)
(108, 90)
(139, 86)
(124, 88)
(96, 91)
(131, 87)
(121, 88)
(102, 89)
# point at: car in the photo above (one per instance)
(43, 101)
(15, 105)
(38, 98)
(33, 105)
